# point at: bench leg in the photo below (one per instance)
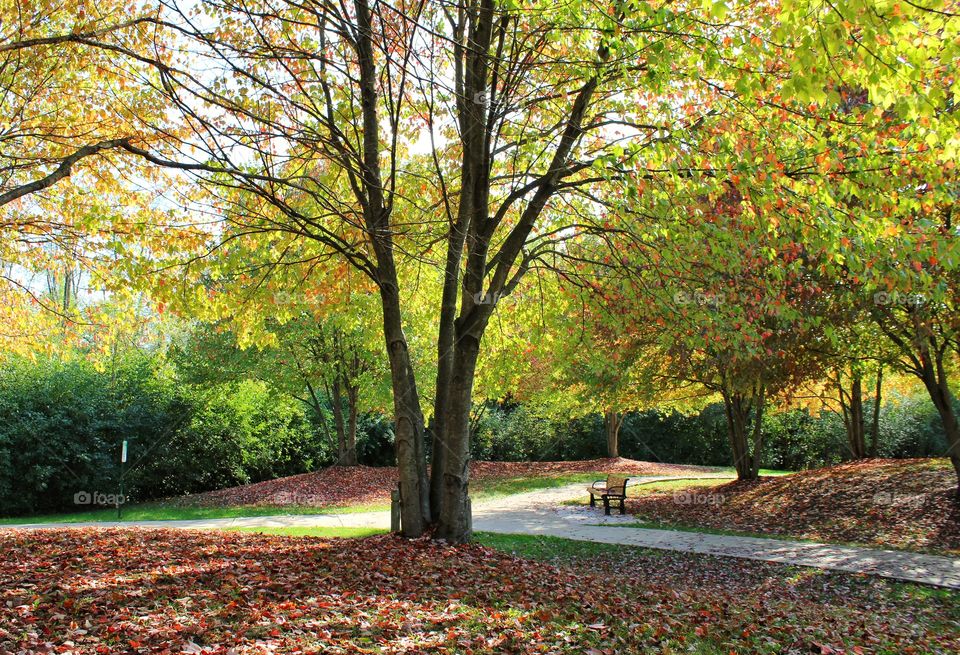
(593, 500)
(623, 506)
(606, 505)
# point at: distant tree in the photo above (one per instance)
(326, 367)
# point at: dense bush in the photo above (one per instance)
(794, 439)
(911, 427)
(62, 423)
(232, 433)
(375, 446)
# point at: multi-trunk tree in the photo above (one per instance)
(454, 147)
(396, 134)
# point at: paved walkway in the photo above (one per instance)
(540, 513)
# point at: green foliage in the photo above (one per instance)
(795, 439)
(509, 432)
(375, 436)
(911, 427)
(62, 423)
(237, 433)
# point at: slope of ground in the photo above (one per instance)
(157, 591)
(889, 503)
(361, 485)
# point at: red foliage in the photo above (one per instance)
(161, 591)
(889, 503)
(335, 486)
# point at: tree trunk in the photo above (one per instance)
(613, 420)
(759, 404)
(408, 417)
(737, 407)
(454, 516)
(336, 400)
(736, 433)
(408, 422)
(350, 456)
(851, 404)
(875, 428)
(859, 442)
(934, 378)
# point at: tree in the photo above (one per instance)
(322, 364)
(522, 107)
(345, 368)
(562, 350)
(923, 325)
(469, 139)
(73, 96)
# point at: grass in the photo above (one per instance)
(170, 512)
(549, 549)
(493, 488)
(638, 490)
(498, 488)
(159, 511)
(484, 490)
(481, 490)
(671, 485)
(721, 476)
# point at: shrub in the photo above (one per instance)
(62, 424)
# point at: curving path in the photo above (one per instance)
(541, 513)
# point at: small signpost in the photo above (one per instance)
(123, 461)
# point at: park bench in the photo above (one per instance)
(614, 488)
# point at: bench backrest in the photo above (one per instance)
(617, 484)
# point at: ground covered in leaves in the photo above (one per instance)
(910, 504)
(339, 486)
(159, 591)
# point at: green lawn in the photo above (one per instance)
(169, 512)
(493, 488)
(638, 490)
(484, 489)
(159, 511)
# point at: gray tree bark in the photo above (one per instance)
(875, 427)
(851, 405)
(408, 417)
(738, 408)
(613, 420)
